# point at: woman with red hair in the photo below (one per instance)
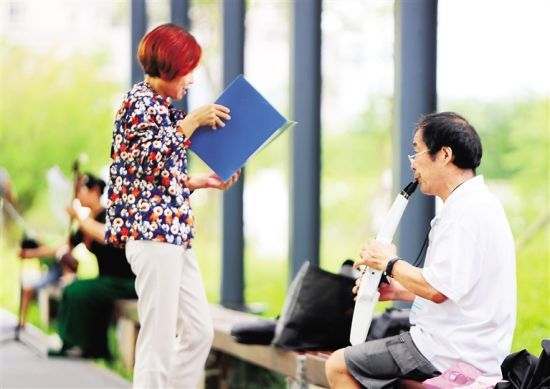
(149, 211)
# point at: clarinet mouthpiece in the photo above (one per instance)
(409, 189)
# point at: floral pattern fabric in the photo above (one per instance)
(148, 196)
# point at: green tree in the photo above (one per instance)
(52, 109)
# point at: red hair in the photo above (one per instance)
(168, 51)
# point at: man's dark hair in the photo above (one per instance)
(452, 130)
(91, 181)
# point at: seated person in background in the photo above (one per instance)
(86, 306)
(465, 296)
(58, 273)
(61, 264)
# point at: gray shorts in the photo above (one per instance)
(380, 363)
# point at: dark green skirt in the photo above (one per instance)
(86, 310)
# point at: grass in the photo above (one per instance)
(533, 279)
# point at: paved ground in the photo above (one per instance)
(24, 364)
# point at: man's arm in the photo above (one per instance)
(394, 291)
(376, 255)
(39, 252)
(411, 278)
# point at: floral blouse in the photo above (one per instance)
(148, 196)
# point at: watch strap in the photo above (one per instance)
(389, 266)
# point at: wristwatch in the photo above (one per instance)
(389, 266)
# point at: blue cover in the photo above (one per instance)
(253, 124)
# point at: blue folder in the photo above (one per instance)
(253, 125)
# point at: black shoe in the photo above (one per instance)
(98, 355)
(17, 331)
(71, 352)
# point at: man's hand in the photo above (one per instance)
(394, 291)
(376, 255)
(356, 287)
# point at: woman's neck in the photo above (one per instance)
(96, 210)
(157, 84)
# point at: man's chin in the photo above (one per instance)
(423, 188)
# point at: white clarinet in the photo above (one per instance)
(368, 295)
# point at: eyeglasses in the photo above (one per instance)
(412, 158)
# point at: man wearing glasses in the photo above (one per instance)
(464, 299)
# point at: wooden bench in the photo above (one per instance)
(48, 297)
(125, 313)
(303, 369)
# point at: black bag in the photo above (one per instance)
(69, 262)
(392, 322)
(259, 332)
(522, 370)
(317, 312)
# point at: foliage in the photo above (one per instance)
(52, 110)
(516, 153)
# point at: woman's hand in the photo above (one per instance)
(212, 181)
(207, 115)
(77, 212)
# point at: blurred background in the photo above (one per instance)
(65, 66)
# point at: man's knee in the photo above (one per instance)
(336, 364)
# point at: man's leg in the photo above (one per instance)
(379, 363)
(27, 293)
(26, 297)
(337, 372)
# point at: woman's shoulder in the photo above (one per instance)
(101, 216)
(142, 100)
(143, 97)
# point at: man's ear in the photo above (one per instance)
(447, 152)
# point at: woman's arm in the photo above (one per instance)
(207, 115)
(211, 181)
(93, 229)
(89, 227)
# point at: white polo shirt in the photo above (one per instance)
(471, 260)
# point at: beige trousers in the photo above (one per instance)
(176, 327)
